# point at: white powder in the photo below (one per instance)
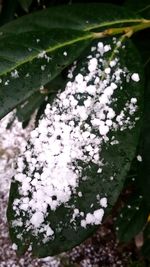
(42, 54)
(14, 246)
(14, 74)
(103, 202)
(65, 53)
(37, 219)
(139, 158)
(92, 65)
(103, 129)
(94, 218)
(135, 77)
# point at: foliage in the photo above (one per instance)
(37, 51)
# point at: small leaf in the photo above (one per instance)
(74, 165)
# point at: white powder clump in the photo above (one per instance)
(14, 246)
(65, 53)
(42, 54)
(103, 202)
(135, 77)
(92, 65)
(94, 218)
(79, 78)
(98, 215)
(14, 74)
(37, 219)
(103, 129)
(139, 158)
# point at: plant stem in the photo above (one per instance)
(127, 31)
(115, 22)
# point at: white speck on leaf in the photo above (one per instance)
(135, 77)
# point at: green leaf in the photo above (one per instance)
(25, 4)
(143, 170)
(132, 218)
(8, 11)
(100, 180)
(32, 59)
(25, 110)
(142, 42)
(95, 16)
(140, 7)
(144, 166)
(54, 30)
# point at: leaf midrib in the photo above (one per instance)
(111, 23)
(48, 50)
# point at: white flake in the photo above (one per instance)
(107, 70)
(139, 158)
(98, 214)
(103, 202)
(92, 65)
(135, 77)
(14, 74)
(41, 54)
(37, 219)
(14, 246)
(103, 129)
(65, 53)
(79, 78)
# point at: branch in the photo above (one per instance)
(127, 31)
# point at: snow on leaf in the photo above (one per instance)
(64, 176)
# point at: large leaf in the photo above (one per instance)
(21, 42)
(96, 179)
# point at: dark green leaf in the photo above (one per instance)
(132, 218)
(95, 16)
(146, 246)
(25, 111)
(8, 10)
(34, 102)
(116, 153)
(139, 7)
(32, 59)
(22, 40)
(144, 166)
